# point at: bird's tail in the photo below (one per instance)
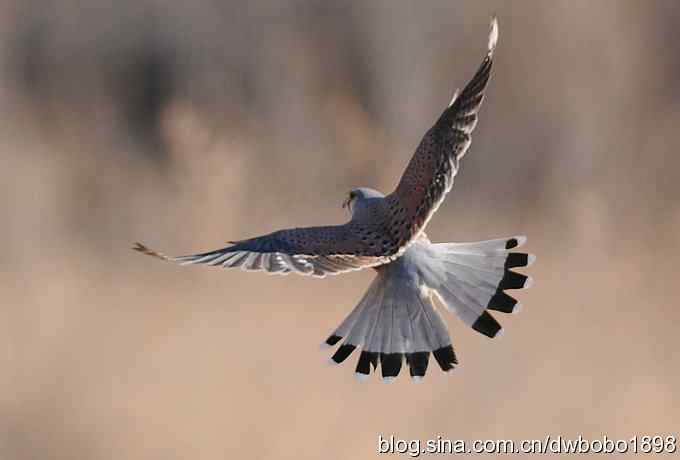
(397, 319)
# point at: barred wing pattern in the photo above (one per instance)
(429, 175)
(388, 229)
(314, 251)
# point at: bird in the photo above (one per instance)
(397, 323)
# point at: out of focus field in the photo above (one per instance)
(187, 124)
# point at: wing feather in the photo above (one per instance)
(314, 251)
(430, 173)
(327, 250)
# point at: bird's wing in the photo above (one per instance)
(321, 251)
(315, 251)
(429, 175)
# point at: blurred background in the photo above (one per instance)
(187, 124)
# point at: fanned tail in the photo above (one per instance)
(396, 322)
(470, 278)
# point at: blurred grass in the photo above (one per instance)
(189, 125)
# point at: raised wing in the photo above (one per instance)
(429, 175)
(321, 251)
(315, 251)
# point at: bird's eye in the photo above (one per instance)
(352, 195)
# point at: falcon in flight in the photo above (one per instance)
(397, 320)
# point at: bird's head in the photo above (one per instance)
(359, 198)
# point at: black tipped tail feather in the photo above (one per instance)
(472, 279)
(397, 325)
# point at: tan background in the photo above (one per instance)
(186, 126)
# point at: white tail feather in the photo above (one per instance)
(397, 316)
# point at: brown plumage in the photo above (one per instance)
(381, 228)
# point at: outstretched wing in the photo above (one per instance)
(321, 251)
(315, 251)
(429, 175)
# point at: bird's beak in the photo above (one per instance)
(345, 204)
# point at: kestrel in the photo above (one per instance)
(397, 319)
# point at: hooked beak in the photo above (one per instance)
(345, 204)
